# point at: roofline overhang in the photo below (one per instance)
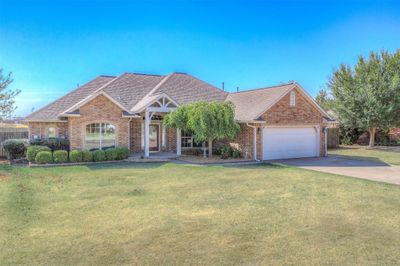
(251, 121)
(131, 116)
(70, 115)
(45, 121)
(91, 97)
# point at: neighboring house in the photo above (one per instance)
(276, 122)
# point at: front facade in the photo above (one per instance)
(127, 111)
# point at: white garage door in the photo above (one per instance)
(289, 142)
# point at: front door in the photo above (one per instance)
(154, 137)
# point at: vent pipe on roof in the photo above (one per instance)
(223, 86)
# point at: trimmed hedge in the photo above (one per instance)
(15, 148)
(87, 156)
(32, 151)
(99, 155)
(122, 153)
(75, 156)
(111, 154)
(53, 143)
(43, 157)
(60, 156)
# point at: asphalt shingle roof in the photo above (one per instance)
(52, 110)
(133, 91)
(251, 103)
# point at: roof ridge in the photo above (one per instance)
(145, 74)
(59, 98)
(265, 88)
(158, 85)
(108, 83)
(167, 77)
(214, 87)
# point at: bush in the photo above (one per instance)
(32, 151)
(122, 153)
(60, 156)
(236, 154)
(75, 156)
(346, 140)
(43, 157)
(87, 156)
(226, 151)
(15, 148)
(111, 154)
(53, 143)
(99, 155)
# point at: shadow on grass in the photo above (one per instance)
(264, 165)
(124, 165)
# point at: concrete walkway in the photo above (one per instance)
(371, 170)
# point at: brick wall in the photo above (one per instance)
(394, 134)
(98, 110)
(136, 132)
(39, 129)
(171, 139)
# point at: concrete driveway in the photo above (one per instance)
(372, 170)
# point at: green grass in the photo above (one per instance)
(363, 153)
(177, 214)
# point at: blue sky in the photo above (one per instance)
(51, 46)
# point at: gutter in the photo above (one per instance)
(254, 141)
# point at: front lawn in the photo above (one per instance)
(177, 214)
(389, 155)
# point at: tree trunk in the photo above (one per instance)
(204, 150)
(372, 132)
(209, 148)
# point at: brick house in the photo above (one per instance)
(276, 122)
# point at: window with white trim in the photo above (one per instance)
(187, 140)
(99, 135)
(51, 132)
(292, 98)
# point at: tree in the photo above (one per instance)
(324, 100)
(368, 95)
(7, 95)
(207, 121)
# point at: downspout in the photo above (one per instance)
(129, 134)
(254, 141)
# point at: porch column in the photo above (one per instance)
(146, 133)
(178, 142)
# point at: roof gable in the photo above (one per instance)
(251, 105)
(52, 110)
(90, 98)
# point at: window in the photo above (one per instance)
(292, 98)
(51, 132)
(99, 135)
(187, 140)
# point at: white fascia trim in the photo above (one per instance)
(90, 97)
(131, 116)
(70, 115)
(46, 121)
(251, 121)
(158, 97)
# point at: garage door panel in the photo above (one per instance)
(282, 143)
